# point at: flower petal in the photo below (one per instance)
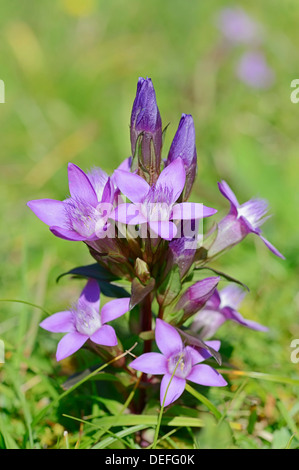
(207, 322)
(69, 344)
(128, 214)
(150, 363)
(49, 211)
(61, 322)
(206, 375)
(163, 228)
(90, 295)
(200, 354)
(167, 338)
(114, 309)
(191, 210)
(80, 185)
(232, 314)
(132, 186)
(272, 248)
(105, 336)
(175, 389)
(229, 194)
(67, 234)
(231, 296)
(173, 178)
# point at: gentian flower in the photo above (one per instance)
(220, 307)
(183, 146)
(174, 356)
(155, 204)
(253, 70)
(85, 321)
(237, 26)
(241, 220)
(146, 120)
(196, 296)
(85, 213)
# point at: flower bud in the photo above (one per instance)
(146, 121)
(183, 146)
(195, 297)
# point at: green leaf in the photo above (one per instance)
(170, 287)
(221, 274)
(203, 400)
(102, 275)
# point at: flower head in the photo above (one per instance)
(237, 26)
(155, 204)
(85, 212)
(241, 220)
(86, 321)
(220, 307)
(253, 70)
(183, 146)
(146, 120)
(177, 364)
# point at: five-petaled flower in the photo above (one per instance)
(220, 307)
(85, 321)
(155, 204)
(177, 364)
(84, 215)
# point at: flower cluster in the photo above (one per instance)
(140, 228)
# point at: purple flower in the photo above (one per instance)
(183, 146)
(185, 361)
(146, 120)
(195, 297)
(85, 321)
(155, 204)
(241, 220)
(220, 307)
(237, 26)
(254, 71)
(87, 210)
(181, 251)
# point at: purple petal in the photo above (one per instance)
(80, 185)
(105, 336)
(69, 344)
(191, 210)
(167, 338)
(206, 375)
(271, 247)
(49, 211)
(200, 355)
(228, 193)
(61, 322)
(67, 234)
(132, 186)
(128, 214)
(90, 296)
(124, 166)
(231, 296)
(173, 178)
(175, 389)
(164, 228)
(108, 192)
(207, 322)
(232, 314)
(150, 363)
(114, 309)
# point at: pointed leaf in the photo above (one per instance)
(139, 291)
(170, 287)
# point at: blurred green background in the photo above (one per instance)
(70, 70)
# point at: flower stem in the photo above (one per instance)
(146, 325)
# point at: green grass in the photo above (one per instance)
(70, 78)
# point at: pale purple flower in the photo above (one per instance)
(220, 307)
(146, 120)
(85, 321)
(85, 212)
(196, 296)
(155, 204)
(174, 356)
(241, 220)
(237, 26)
(183, 146)
(253, 70)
